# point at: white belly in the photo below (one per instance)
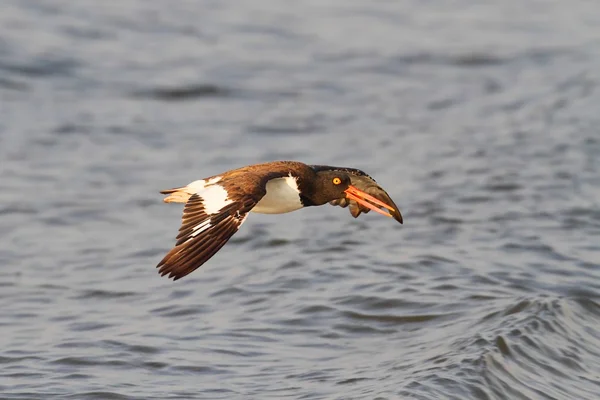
(282, 196)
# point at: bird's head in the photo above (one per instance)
(335, 185)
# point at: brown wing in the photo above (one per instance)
(201, 235)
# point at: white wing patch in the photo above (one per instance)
(200, 184)
(214, 197)
(282, 196)
(183, 194)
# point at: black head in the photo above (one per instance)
(327, 186)
(347, 186)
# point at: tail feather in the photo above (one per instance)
(177, 195)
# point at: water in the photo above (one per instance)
(480, 120)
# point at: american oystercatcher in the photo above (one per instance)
(216, 207)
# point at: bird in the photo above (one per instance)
(216, 207)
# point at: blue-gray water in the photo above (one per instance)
(481, 119)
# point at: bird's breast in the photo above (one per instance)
(282, 196)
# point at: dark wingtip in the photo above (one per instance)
(175, 277)
(169, 272)
(169, 269)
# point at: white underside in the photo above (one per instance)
(282, 197)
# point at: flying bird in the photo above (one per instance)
(217, 206)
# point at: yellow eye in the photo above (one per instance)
(336, 181)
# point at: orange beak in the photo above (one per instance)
(367, 200)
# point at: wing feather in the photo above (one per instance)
(201, 235)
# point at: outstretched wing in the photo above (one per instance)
(203, 233)
(361, 180)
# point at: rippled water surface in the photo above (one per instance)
(481, 119)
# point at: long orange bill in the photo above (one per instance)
(361, 197)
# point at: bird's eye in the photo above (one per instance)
(336, 181)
